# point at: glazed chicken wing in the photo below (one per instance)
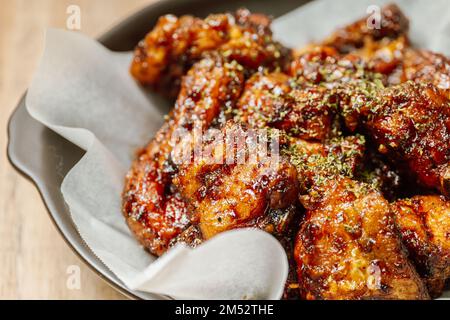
(175, 44)
(153, 207)
(317, 162)
(347, 248)
(227, 189)
(410, 123)
(325, 66)
(274, 100)
(242, 181)
(387, 50)
(426, 66)
(424, 224)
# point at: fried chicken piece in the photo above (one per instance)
(401, 63)
(265, 97)
(325, 66)
(385, 57)
(410, 124)
(346, 78)
(424, 225)
(394, 59)
(155, 211)
(175, 44)
(382, 176)
(393, 24)
(154, 214)
(252, 44)
(387, 50)
(239, 182)
(347, 247)
(274, 100)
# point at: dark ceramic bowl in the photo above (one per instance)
(45, 157)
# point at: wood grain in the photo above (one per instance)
(34, 259)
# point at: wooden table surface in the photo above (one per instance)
(35, 262)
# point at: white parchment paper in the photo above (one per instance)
(84, 92)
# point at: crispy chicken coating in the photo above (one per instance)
(347, 248)
(385, 57)
(242, 181)
(153, 207)
(175, 44)
(401, 63)
(387, 50)
(274, 100)
(238, 182)
(154, 212)
(424, 224)
(395, 59)
(426, 66)
(410, 124)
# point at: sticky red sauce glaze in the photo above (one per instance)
(275, 100)
(253, 194)
(363, 99)
(154, 209)
(425, 66)
(392, 24)
(239, 194)
(424, 225)
(410, 123)
(154, 214)
(176, 43)
(347, 248)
